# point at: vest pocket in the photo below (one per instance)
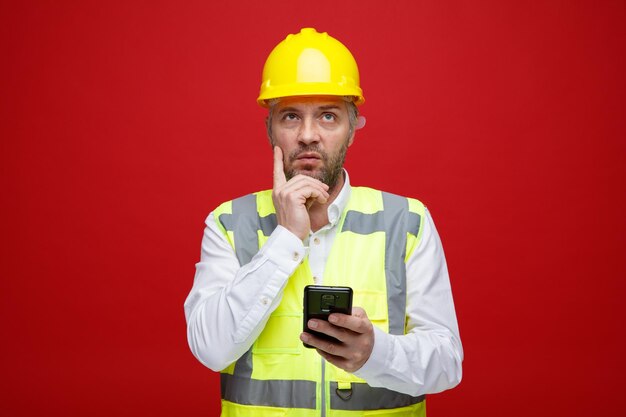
(375, 305)
(280, 335)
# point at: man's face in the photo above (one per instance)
(314, 135)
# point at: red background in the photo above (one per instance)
(124, 123)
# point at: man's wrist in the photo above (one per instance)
(378, 358)
(285, 249)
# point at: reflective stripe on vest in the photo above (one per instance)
(244, 223)
(270, 393)
(301, 394)
(364, 397)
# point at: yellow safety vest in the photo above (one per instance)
(278, 376)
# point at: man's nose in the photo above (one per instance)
(309, 131)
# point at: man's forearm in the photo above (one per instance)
(229, 305)
(423, 362)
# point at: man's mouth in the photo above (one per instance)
(308, 156)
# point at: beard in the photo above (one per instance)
(332, 166)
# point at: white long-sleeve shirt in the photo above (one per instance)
(230, 304)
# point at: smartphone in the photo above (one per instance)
(320, 301)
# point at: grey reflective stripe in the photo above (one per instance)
(396, 209)
(244, 226)
(268, 224)
(270, 393)
(243, 366)
(227, 221)
(365, 397)
(414, 223)
(363, 223)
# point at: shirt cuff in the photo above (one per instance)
(284, 249)
(377, 361)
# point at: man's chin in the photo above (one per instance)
(308, 172)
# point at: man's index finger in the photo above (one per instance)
(279, 174)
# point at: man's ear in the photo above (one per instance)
(360, 123)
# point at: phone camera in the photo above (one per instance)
(328, 302)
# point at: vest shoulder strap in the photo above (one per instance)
(365, 215)
(241, 220)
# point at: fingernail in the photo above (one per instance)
(304, 337)
(312, 324)
(332, 319)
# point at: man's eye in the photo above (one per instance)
(290, 116)
(328, 117)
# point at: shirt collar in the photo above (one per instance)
(339, 204)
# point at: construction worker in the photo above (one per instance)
(244, 312)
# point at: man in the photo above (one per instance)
(244, 312)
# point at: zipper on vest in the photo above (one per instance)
(323, 388)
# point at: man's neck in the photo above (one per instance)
(318, 213)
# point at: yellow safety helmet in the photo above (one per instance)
(310, 64)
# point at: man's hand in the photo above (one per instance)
(293, 198)
(355, 334)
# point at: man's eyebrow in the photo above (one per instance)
(287, 109)
(325, 107)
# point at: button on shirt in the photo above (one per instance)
(230, 304)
